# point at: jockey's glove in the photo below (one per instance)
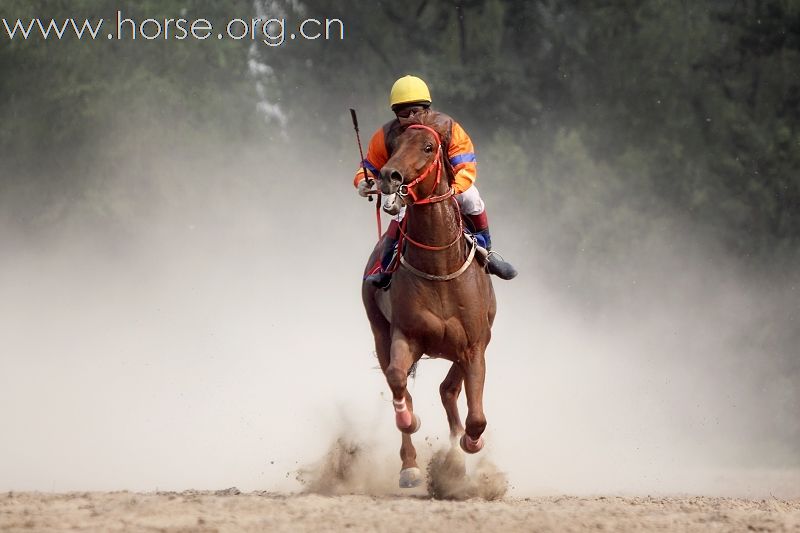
(364, 186)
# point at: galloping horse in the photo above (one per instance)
(441, 302)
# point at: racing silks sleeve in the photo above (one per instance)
(375, 159)
(462, 157)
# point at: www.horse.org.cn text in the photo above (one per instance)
(269, 31)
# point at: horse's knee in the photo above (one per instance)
(475, 425)
(396, 378)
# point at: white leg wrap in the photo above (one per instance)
(399, 405)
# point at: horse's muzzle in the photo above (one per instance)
(391, 180)
(393, 204)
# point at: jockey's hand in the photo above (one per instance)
(364, 187)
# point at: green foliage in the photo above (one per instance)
(59, 97)
(684, 107)
(696, 104)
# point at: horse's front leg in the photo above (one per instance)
(402, 356)
(474, 368)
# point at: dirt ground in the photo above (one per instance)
(230, 510)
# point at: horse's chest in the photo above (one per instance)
(444, 320)
(439, 330)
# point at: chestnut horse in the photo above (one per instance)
(441, 302)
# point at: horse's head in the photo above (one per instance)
(416, 161)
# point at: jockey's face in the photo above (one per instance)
(408, 110)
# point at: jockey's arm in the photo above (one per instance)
(462, 157)
(375, 159)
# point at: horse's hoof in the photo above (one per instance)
(469, 445)
(411, 427)
(410, 478)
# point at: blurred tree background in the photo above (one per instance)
(608, 133)
(696, 104)
(588, 111)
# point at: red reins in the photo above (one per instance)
(405, 236)
(430, 199)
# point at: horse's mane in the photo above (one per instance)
(438, 121)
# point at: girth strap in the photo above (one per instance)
(447, 277)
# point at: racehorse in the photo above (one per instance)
(441, 302)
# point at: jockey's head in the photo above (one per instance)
(409, 95)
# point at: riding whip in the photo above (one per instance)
(360, 150)
(364, 169)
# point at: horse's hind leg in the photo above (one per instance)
(449, 391)
(474, 374)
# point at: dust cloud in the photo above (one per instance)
(352, 467)
(196, 323)
(449, 479)
(349, 467)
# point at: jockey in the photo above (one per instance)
(410, 95)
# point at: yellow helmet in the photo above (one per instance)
(409, 89)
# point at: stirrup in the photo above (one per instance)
(481, 253)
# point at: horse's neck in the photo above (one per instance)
(435, 224)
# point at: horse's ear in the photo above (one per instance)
(449, 171)
(439, 122)
(446, 135)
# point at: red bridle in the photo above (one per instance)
(430, 199)
(437, 164)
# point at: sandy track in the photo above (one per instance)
(228, 511)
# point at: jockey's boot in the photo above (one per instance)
(381, 278)
(495, 263)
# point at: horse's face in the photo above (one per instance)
(413, 151)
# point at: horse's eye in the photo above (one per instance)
(428, 148)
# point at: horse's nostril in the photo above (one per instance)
(391, 176)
